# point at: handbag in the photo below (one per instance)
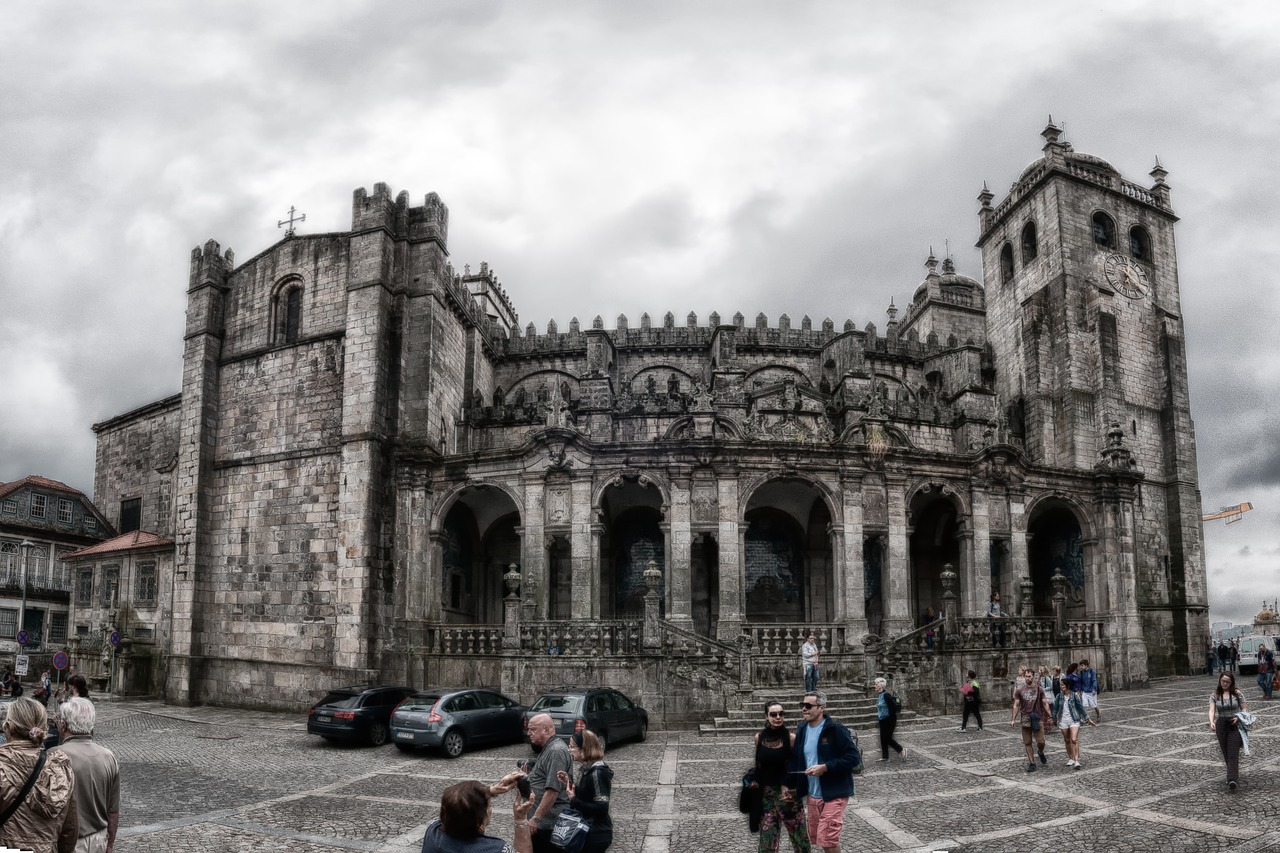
(26, 789)
(570, 832)
(1035, 721)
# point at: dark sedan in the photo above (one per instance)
(456, 720)
(356, 713)
(603, 710)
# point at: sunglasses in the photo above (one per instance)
(807, 706)
(777, 713)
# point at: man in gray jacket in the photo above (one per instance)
(97, 787)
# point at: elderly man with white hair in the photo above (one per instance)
(97, 789)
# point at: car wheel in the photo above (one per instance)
(643, 731)
(377, 734)
(405, 747)
(604, 741)
(454, 743)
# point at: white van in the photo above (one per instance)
(1249, 650)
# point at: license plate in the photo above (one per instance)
(321, 719)
(405, 735)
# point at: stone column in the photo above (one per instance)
(731, 569)
(1059, 603)
(950, 604)
(413, 550)
(1018, 564)
(597, 570)
(839, 575)
(1026, 598)
(853, 605)
(964, 572)
(586, 593)
(897, 586)
(652, 630)
(680, 566)
(975, 573)
(432, 601)
(533, 546)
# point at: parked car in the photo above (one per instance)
(604, 710)
(356, 713)
(455, 720)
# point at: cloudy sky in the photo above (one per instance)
(623, 157)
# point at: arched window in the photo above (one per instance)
(1104, 230)
(1140, 243)
(1030, 248)
(1006, 264)
(287, 312)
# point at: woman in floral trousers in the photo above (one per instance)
(773, 753)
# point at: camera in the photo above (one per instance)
(522, 785)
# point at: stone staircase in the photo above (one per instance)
(855, 708)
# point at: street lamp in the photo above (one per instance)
(26, 547)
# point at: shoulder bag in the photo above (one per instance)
(26, 789)
(570, 832)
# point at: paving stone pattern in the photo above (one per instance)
(218, 779)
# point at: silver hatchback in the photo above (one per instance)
(454, 720)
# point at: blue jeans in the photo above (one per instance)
(810, 677)
(1264, 682)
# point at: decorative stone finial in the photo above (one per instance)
(1051, 133)
(986, 195)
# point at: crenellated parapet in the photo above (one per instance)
(379, 211)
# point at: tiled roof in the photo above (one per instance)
(42, 482)
(138, 540)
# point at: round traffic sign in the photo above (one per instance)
(23, 638)
(115, 638)
(60, 661)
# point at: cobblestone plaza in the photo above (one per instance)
(212, 779)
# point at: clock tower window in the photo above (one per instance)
(1140, 243)
(1104, 230)
(1029, 246)
(1006, 264)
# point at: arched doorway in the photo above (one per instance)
(1056, 546)
(632, 537)
(479, 542)
(787, 559)
(934, 544)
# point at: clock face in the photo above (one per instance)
(1127, 276)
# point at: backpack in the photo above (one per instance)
(894, 703)
(857, 767)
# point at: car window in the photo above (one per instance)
(380, 699)
(490, 700)
(463, 702)
(622, 702)
(340, 700)
(557, 702)
(420, 702)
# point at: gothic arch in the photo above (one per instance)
(786, 368)
(1036, 506)
(897, 438)
(645, 478)
(929, 487)
(680, 424)
(1058, 540)
(660, 368)
(529, 381)
(829, 495)
(450, 498)
(286, 309)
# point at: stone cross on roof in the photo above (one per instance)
(292, 219)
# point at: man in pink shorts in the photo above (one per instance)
(823, 759)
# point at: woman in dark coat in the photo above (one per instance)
(774, 744)
(590, 797)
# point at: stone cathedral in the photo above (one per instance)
(374, 473)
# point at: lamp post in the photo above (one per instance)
(26, 547)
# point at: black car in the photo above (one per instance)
(356, 713)
(457, 719)
(603, 710)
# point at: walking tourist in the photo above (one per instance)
(971, 701)
(823, 758)
(590, 796)
(46, 819)
(1225, 703)
(887, 719)
(1087, 678)
(1046, 680)
(465, 811)
(774, 745)
(97, 774)
(1224, 656)
(1031, 704)
(995, 612)
(549, 795)
(1057, 676)
(809, 660)
(1266, 671)
(1068, 715)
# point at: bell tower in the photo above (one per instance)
(1084, 317)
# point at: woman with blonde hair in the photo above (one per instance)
(36, 787)
(590, 796)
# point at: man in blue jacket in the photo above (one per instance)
(822, 760)
(1088, 677)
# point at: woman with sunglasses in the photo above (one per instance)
(774, 744)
